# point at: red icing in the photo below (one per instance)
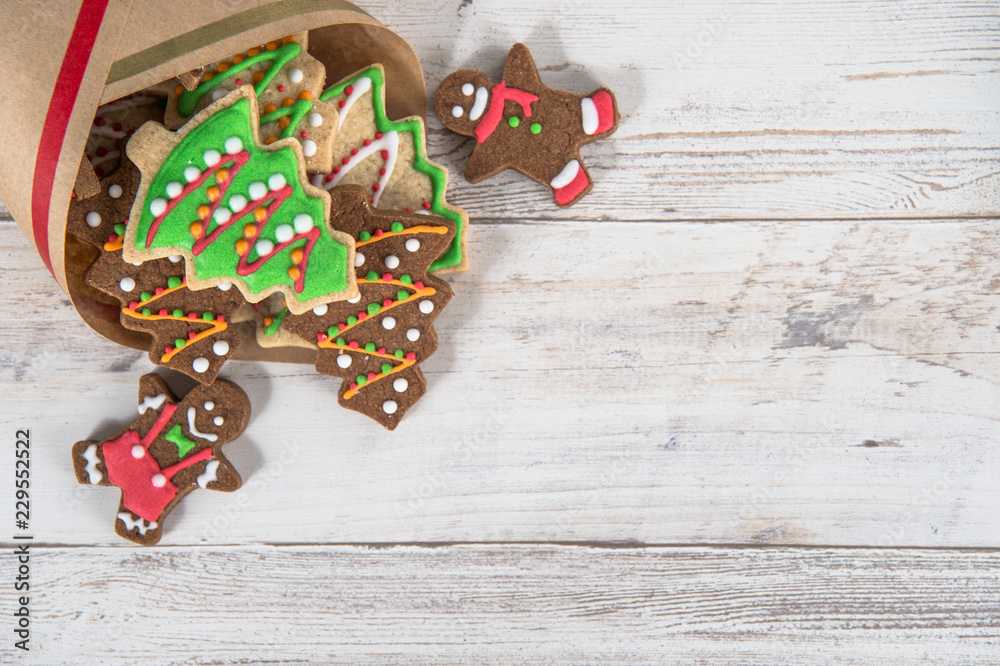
(494, 114)
(579, 183)
(605, 105)
(135, 475)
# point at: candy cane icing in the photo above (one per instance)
(388, 144)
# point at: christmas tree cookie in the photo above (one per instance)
(240, 212)
(192, 331)
(172, 448)
(287, 82)
(376, 341)
(389, 159)
(519, 123)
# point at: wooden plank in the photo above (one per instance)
(514, 604)
(773, 382)
(744, 110)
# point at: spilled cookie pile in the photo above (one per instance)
(257, 196)
(253, 197)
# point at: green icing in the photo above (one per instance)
(188, 100)
(439, 180)
(276, 323)
(176, 436)
(297, 111)
(326, 266)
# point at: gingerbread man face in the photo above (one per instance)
(522, 124)
(462, 99)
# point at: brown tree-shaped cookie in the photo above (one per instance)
(172, 448)
(376, 341)
(521, 124)
(191, 330)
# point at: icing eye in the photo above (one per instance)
(457, 111)
(468, 89)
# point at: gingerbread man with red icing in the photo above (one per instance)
(521, 124)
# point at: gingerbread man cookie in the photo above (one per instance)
(173, 447)
(521, 124)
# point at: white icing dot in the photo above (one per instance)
(218, 420)
(427, 307)
(413, 335)
(200, 364)
(173, 189)
(468, 89)
(276, 181)
(218, 94)
(209, 406)
(320, 310)
(344, 360)
(237, 202)
(257, 190)
(127, 284)
(303, 223)
(138, 451)
(264, 247)
(220, 347)
(174, 258)
(157, 206)
(284, 233)
(359, 259)
(211, 157)
(225, 286)
(413, 245)
(389, 323)
(222, 215)
(93, 219)
(389, 406)
(457, 111)
(355, 299)
(115, 191)
(233, 145)
(315, 120)
(191, 173)
(158, 481)
(400, 385)
(137, 263)
(295, 76)
(392, 261)
(308, 147)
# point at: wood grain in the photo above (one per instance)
(491, 605)
(775, 321)
(747, 110)
(774, 382)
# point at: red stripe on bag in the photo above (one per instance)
(74, 64)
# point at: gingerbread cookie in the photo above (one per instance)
(390, 159)
(172, 448)
(376, 341)
(192, 330)
(239, 212)
(521, 124)
(287, 82)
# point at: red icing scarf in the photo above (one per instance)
(501, 93)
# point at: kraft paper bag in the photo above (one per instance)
(64, 58)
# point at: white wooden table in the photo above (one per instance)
(741, 404)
